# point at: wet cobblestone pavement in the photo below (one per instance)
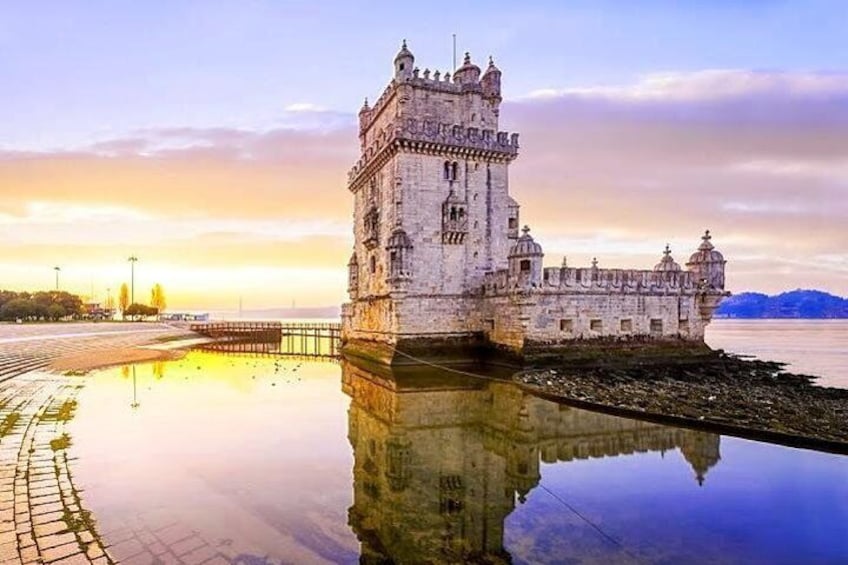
(42, 517)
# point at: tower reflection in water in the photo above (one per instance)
(440, 460)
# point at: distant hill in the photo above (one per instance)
(794, 304)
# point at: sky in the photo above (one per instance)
(212, 139)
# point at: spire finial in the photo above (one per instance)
(467, 60)
(403, 45)
(667, 251)
(491, 61)
(707, 236)
(594, 262)
(525, 230)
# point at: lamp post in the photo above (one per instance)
(132, 261)
(57, 269)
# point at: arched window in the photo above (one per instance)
(373, 264)
(454, 170)
(447, 171)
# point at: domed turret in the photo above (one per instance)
(702, 450)
(526, 246)
(468, 73)
(708, 264)
(525, 261)
(667, 264)
(491, 81)
(404, 62)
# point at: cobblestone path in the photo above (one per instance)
(42, 519)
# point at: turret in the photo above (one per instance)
(525, 261)
(708, 265)
(404, 63)
(468, 73)
(364, 117)
(667, 264)
(491, 82)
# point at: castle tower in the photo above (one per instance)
(432, 209)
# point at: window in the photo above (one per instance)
(513, 224)
(627, 325)
(373, 264)
(525, 265)
(656, 326)
(451, 171)
(566, 325)
(596, 325)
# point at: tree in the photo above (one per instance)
(136, 310)
(157, 297)
(124, 299)
(17, 308)
(55, 312)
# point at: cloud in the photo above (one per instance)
(615, 172)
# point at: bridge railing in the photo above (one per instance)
(317, 339)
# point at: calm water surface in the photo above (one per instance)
(813, 347)
(259, 461)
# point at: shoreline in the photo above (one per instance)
(104, 358)
(726, 394)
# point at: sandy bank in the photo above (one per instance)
(90, 360)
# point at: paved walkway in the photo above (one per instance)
(33, 346)
(42, 516)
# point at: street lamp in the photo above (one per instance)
(57, 269)
(132, 261)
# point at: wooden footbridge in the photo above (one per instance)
(301, 339)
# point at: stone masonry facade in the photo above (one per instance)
(439, 258)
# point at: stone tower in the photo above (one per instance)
(432, 211)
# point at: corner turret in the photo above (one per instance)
(491, 82)
(468, 73)
(525, 261)
(404, 63)
(708, 264)
(364, 117)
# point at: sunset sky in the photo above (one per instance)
(212, 139)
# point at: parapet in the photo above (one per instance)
(428, 134)
(595, 280)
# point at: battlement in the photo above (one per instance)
(429, 135)
(596, 280)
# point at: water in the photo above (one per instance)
(257, 461)
(814, 347)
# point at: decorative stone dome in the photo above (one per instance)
(526, 246)
(399, 240)
(404, 63)
(491, 68)
(404, 53)
(667, 264)
(468, 73)
(706, 252)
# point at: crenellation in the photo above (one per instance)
(437, 250)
